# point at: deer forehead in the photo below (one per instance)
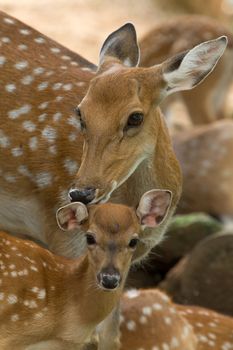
(114, 219)
(111, 92)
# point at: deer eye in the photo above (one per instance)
(134, 120)
(90, 239)
(81, 121)
(133, 242)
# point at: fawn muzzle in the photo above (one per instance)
(109, 279)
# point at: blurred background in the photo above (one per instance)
(194, 263)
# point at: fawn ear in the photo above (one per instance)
(153, 207)
(71, 216)
(121, 45)
(188, 69)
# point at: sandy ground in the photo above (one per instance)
(82, 25)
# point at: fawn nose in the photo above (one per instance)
(84, 195)
(109, 281)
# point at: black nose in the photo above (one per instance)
(109, 281)
(85, 195)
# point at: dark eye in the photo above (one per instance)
(79, 115)
(133, 242)
(134, 120)
(90, 239)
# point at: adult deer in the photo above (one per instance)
(116, 145)
(205, 103)
(150, 320)
(37, 311)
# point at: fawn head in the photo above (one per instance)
(119, 117)
(113, 232)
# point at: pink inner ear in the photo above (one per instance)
(149, 220)
(72, 224)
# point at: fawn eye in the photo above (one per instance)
(90, 239)
(81, 121)
(133, 242)
(134, 120)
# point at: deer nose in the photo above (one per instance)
(109, 281)
(85, 195)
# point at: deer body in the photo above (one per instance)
(150, 320)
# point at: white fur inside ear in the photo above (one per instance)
(196, 65)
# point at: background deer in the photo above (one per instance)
(36, 306)
(209, 149)
(205, 103)
(151, 321)
(116, 145)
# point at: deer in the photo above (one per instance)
(114, 145)
(150, 320)
(37, 310)
(204, 104)
(207, 148)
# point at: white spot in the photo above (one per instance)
(30, 303)
(55, 49)
(57, 86)
(147, 310)
(63, 67)
(72, 120)
(71, 166)
(43, 105)
(53, 149)
(9, 178)
(59, 98)
(35, 289)
(2, 60)
(57, 116)
(199, 324)
(86, 69)
(131, 325)
(4, 140)
(167, 320)
(8, 20)
(33, 143)
(142, 320)
(39, 40)
(34, 268)
(1, 296)
(15, 113)
(49, 73)
(27, 80)
(21, 65)
(22, 47)
(49, 133)
(17, 151)
(14, 317)
(157, 306)
(175, 342)
(80, 83)
(132, 293)
(23, 170)
(165, 346)
(42, 117)
(12, 266)
(43, 179)
(65, 57)
(12, 299)
(72, 137)
(29, 126)
(13, 273)
(42, 86)
(73, 63)
(10, 87)
(67, 87)
(38, 315)
(38, 70)
(6, 40)
(24, 31)
(41, 294)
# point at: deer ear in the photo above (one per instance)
(121, 45)
(188, 69)
(71, 216)
(153, 207)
